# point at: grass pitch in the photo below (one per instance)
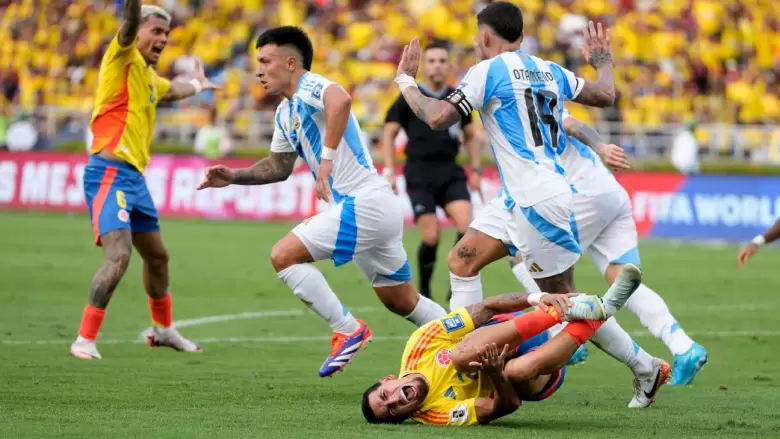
(258, 375)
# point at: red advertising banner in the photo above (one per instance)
(53, 181)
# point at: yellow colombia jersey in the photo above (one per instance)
(451, 394)
(125, 104)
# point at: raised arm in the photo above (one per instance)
(131, 24)
(438, 114)
(598, 53)
(182, 90)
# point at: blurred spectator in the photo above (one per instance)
(685, 151)
(213, 141)
(708, 60)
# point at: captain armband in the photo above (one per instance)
(458, 99)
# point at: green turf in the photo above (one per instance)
(271, 389)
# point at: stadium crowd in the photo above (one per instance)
(677, 61)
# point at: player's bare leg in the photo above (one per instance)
(402, 299)
(689, 356)
(155, 273)
(293, 264)
(117, 248)
(460, 212)
(426, 254)
(472, 253)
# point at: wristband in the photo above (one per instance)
(534, 298)
(195, 83)
(388, 172)
(759, 240)
(405, 81)
(328, 153)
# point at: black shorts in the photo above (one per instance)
(430, 185)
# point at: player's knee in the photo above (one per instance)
(118, 260)
(400, 299)
(460, 266)
(279, 257)
(158, 259)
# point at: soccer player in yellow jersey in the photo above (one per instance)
(121, 209)
(454, 373)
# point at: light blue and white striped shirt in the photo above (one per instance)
(520, 100)
(300, 128)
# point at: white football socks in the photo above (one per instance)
(524, 277)
(425, 311)
(656, 317)
(309, 285)
(615, 341)
(465, 291)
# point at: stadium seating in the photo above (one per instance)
(676, 61)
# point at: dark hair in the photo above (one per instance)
(289, 36)
(504, 18)
(368, 412)
(437, 44)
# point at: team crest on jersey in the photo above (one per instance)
(123, 215)
(453, 323)
(317, 92)
(151, 95)
(444, 357)
(296, 123)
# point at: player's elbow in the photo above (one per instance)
(607, 97)
(439, 122)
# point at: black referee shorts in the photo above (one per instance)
(429, 185)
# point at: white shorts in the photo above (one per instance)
(544, 236)
(367, 228)
(495, 221)
(606, 228)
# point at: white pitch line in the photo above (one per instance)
(324, 338)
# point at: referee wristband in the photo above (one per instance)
(405, 81)
(759, 240)
(328, 153)
(534, 298)
(195, 83)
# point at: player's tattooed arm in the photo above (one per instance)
(598, 53)
(274, 168)
(583, 132)
(438, 114)
(483, 311)
(131, 24)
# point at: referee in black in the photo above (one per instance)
(433, 178)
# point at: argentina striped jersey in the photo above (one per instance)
(300, 128)
(520, 101)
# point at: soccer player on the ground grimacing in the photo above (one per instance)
(120, 205)
(452, 372)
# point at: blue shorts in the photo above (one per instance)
(556, 379)
(118, 198)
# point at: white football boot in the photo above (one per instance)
(171, 338)
(646, 386)
(585, 307)
(85, 349)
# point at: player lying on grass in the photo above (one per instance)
(452, 373)
(365, 220)
(120, 206)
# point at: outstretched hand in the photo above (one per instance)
(200, 75)
(410, 59)
(746, 253)
(597, 51)
(614, 157)
(217, 176)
